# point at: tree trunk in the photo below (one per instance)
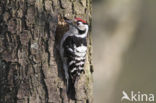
(30, 67)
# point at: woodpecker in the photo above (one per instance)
(73, 49)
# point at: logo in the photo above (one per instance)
(137, 97)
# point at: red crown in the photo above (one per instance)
(79, 19)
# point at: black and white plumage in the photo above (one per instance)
(73, 49)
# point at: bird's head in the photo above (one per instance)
(81, 24)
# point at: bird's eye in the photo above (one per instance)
(78, 23)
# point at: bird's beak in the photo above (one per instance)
(71, 22)
(68, 21)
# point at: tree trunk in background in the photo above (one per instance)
(30, 66)
(115, 25)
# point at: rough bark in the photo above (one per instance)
(30, 66)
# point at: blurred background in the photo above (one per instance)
(124, 48)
